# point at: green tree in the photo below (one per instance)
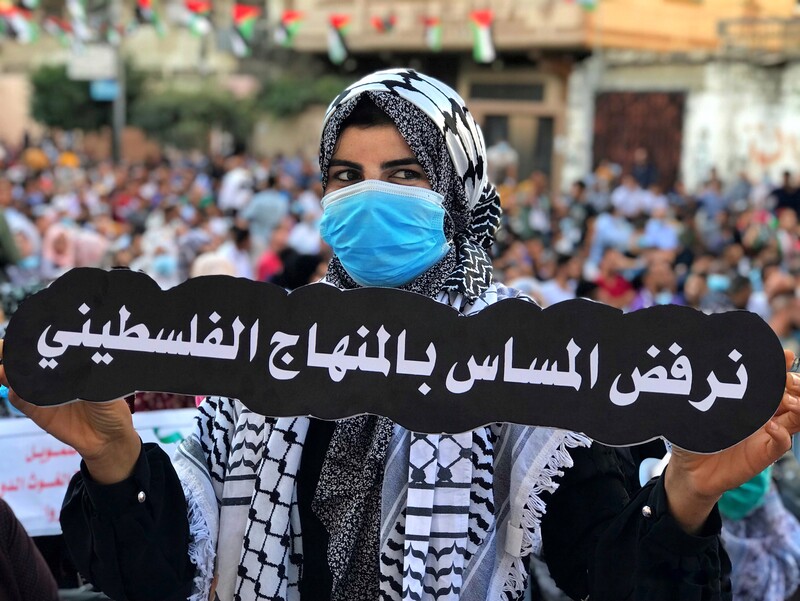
(58, 101)
(184, 119)
(290, 95)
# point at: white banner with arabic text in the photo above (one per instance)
(36, 468)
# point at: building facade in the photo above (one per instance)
(703, 83)
(520, 97)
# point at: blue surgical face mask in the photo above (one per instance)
(663, 298)
(165, 265)
(29, 262)
(384, 234)
(718, 282)
(188, 213)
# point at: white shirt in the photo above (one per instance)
(235, 190)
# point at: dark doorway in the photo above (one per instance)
(625, 121)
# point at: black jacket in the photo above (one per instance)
(597, 539)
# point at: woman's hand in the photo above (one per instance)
(102, 433)
(695, 482)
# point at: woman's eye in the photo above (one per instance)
(346, 175)
(408, 174)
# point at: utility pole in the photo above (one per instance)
(119, 107)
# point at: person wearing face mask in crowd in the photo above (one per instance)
(659, 287)
(564, 282)
(296, 508)
(163, 269)
(762, 539)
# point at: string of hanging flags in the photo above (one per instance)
(22, 21)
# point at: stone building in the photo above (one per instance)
(700, 83)
(717, 88)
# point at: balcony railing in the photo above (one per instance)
(764, 39)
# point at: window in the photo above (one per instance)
(495, 129)
(507, 91)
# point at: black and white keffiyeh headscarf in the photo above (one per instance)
(442, 133)
(448, 144)
(410, 516)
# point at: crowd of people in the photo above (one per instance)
(610, 238)
(183, 216)
(616, 236)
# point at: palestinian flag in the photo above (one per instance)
(6, 9)
(28, 4)
(433, 33)
(113, 34)
(199, 7)
(77, 13)
(288, 28)
(384, 24)
(22, 27)
(147, 15)
(244, 23)
(199, 20)
(58, 28)
(483, 49)
(587, 5)
(337, 48)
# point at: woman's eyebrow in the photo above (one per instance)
(400, 163)
(343, 163)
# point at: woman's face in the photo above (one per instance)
(378, 152)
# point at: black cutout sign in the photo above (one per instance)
(704, 382)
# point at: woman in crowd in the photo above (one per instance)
(299, 508)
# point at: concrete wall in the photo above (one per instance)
(14, 117)
(13, 107)
(747, 118)
(738, 116)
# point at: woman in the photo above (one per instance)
(361, 508)
(763, 540)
